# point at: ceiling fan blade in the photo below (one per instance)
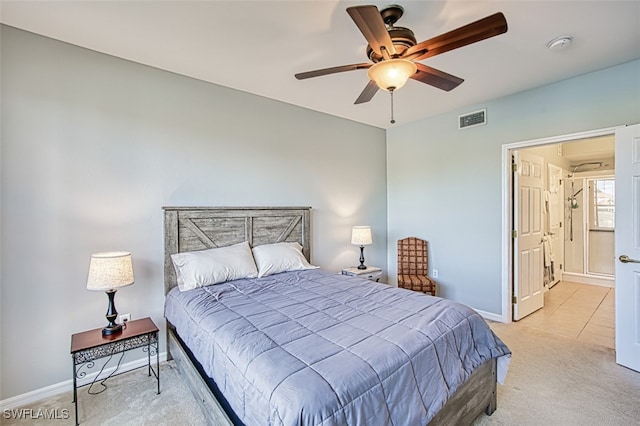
(436, 78)
(368, 92)
(471, 33)
(332, 70)
(371, 25)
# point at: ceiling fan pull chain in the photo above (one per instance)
(392, 119)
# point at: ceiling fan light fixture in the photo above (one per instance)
(392, 74)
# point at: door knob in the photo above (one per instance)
(626, 259)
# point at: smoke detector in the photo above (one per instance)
(561, 42)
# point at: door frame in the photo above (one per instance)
(507, 205)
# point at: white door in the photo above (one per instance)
(628, 245)
(556, 218)
(528, 184)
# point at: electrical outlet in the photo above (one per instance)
(435, 273)
(125, 318)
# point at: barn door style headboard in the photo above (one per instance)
(200, 228)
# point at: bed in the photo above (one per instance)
(348, 351)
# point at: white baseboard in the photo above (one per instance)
(66, 386)
(589, 279)
(490, 316)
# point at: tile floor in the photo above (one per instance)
(579, 311)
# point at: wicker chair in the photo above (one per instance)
(412, 266)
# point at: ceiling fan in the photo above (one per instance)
(394, 53)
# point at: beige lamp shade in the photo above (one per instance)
(392, 74)
(361, 236)
(110, 270)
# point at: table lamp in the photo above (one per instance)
(110, 271)
(361, 236)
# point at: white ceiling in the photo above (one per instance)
(257, 46)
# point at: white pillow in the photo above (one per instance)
(213, 266)
(280, 257)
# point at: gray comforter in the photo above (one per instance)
(317, 348)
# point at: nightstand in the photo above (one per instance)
(88, 346)
(372, 273)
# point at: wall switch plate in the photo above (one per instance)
(435, 273)
(124, 318)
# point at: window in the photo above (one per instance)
(603, 205)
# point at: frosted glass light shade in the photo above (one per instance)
(392, 74)
(361, 236)
(110, 270)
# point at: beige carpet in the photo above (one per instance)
(130, 399)
(551, 381)
(554, 380)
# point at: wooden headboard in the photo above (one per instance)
(199, 228)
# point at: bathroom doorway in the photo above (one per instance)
(577, 209)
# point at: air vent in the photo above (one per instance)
(476, 118)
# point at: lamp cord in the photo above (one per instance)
(102, 381)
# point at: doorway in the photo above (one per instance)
(577, 212)
(627, 234)
(566, 151)
(563, 218)
(574, 201)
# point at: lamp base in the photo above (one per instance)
(112, 329)
(362, 265)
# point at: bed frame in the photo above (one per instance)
(199, 228)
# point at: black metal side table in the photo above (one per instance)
(88, 346)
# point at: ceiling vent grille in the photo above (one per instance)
(476, 118)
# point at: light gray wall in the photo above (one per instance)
(444, 184)
(94, 146)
